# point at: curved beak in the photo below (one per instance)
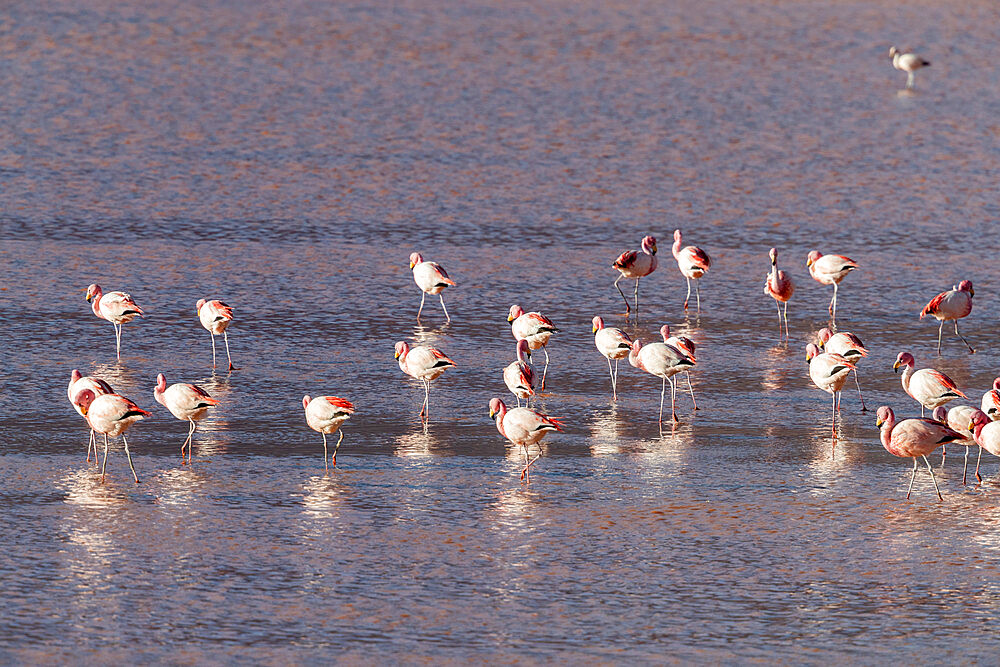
(593, 329)
(895, 367)
(397, 355)
(809, 262)
(879, 422)
(972, 427)
(492, 414)
(510, 318)
(412, 265)
(972, 292)
(654, 248)
(83, 410)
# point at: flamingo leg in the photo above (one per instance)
(777, 304)
(833, 429)
(225, 336)
(860, 395)
(213, 350)
(971, 351)
(833, 307)
(104, 465)
(128, 455)
(691, 389)
(637, 299)
(627, 306)
(422, 295)
(965, 468)
(697, 292)
(786, 320)
(912, 475)
(187, 442)
(673, 399)
(326, 458)
(933, 479)
(524, 470)
(614, 392)
(446, 315)
(336, 447)
(663, 393)
(546, 369)
(616, 379)
(940, 328)
(194, 427)
(688, 297)
(532, 461)
(980, 458)
(91, 442)
(425, 410)
(910, 80)
(118, 340)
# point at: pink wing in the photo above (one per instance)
(438, 354)
(551, 421)
(698, 257)
(340, 403)
(541, 320)
(845, 262)
(443, 275)
(625, 260)
(945, 381)
(935, 303)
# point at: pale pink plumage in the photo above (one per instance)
(913, 438)
(326, 414)
(633, 264)
(111, 415)
(830, 270)
(423, 363)
(685, 346)
(927, 386)
(958, 419)
(850, 347)
(187, 402)
(523, 427)
(693, 263)
(518, 376)
(216, 316)
(987, 435)
(534, 328)
(613, 343)
(115, 307)
(951, 305)
(991, 401)
(664, 361)
(78, 383)
(431, 278)
(778, 285)
(828, 372)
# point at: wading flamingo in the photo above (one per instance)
(518, 376)
(685, 346)
(849, 347)
(778, 285)
(534, 328)
(928, 387)
(828, 372)
(632, 264)
(991, 401)
(111, 415)
(953, 305)
(958, 420)
(115, 307)
(326, 414)
(987, 435)
(187, 402)
(431, 279)
(830, 270)
(613, 343)
(693, 263)
(423, 363)
(664, 361)
(907, 62)
(523, 427)
(913, 438)
(216, 316)
(78, 383)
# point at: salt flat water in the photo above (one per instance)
(288, 157)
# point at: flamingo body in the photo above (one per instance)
(693, 263)
(913, 438)
(116, 307)
(523, 427)
(422, 363)
(326, 414)
(779, 286)
(111, 415)
(431, 278)
(664, 361)
(635, 265)
(907, 62)
(613, 343)
(952, 305)
(927, 386)
(78, 383)
(518, 376)
(216, 316)
(187, 402)
(534, 328)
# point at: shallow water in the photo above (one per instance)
(288, 159)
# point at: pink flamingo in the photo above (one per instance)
(664, 361)
(523, 427)
(953, 305)
(632, 264)
(991, 401)
(115, 307)
(685, 346)
(778, 285)
(518, 376)
(534, 328)
(849, 347)
(830, 270)
(613, 343)
(326, 414)
(110, 414)
(913, 438)
(907, 62)
(958, 419)
(216, 316)
(431, 279)
(425, 364)
(187, 402)
(928, 387)
(693, 263)
(78, 383)
(828, 372)
(987, 436)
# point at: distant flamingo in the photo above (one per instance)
(534, 328)
(830, 270)
(778, 285)
(613, 343)
(187, 402)
(115, 307)
(953, 305)
(849, 347)
(431, 279)
(326, 414)
(907, 62)
(425, 364)
(913, 438)
(987, 436)
(664, 361)
(78, 383)
(636, 265)
(523, 427)
(928, 387)
(110, 414)
(518, 376)
(685, 346)
(828, 372)
(991, 401)
(216, 316)
(693, 263)
(958, 420)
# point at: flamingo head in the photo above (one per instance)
(940, 414)
(812, 257)
(892, 52)
(996, 384)
(83, 400)
(665, 332)
(497, 408)
(648, 245)
(773, 254)
(811, 351)
(402, 347)
(904, 359)
(598, 323)
(305, 401)
(633, 355)
(515, 312)
(74, 376)
(94, 290)
(523, 350)
(966, 286)
(161, 382)
(823, 335)
(201, 302)
(884, 415)
(415, 258)
(978, 421)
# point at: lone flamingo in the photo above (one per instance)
(849, 347)
(523, 427)
(685, 346)
(78, 383)
(928, 387)
(187, 402)
(828, 372)
(913, 438)
(907, 62)
(632, 264)
(958, 420)
(431, 279)
(425, 364)
(326, 414)
(534, 328)
(664, 361)
(115, 307)
(216, 316)
(778, 285)
(693, 263)
(830, 270)
(613, 343)
(518, 376)
(953, 305)
(110, 414)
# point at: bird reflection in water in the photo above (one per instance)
(321, 494)
(825, 469)
(606, 432)
(429, 335)
(123, 380)
(181, 486)
(84, 487)
(420, 444)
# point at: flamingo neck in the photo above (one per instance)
(885, 435)
(500, 415)
(676, 248)
(95, 303)
(905, 379)
(977, 434)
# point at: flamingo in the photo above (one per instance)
(613, 343)
(523, 427)
(954, 304)
(830, 270)
(958, 419)
(78, 383)
(928, 387)
(216, 316)
(112, 415)
(987, 436)
(534, 328)
(991, 401)
(913, 438)
(907, 62)
(693, 262)
(685, 346)
(187, 402)
(779, 286)
(828, 372)
(518, 376)
(431, 279)
(664, 361)
(423, 363)
(632, 264)
(115, 307)
(326, 414)
(848, 346)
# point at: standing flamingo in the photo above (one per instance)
(830, 270)
(187, 402)
(907, 62)
(928, 387)
(523, 427)
(534, 328)
(664, 361)
(778, 285)
(78, 383)
(913, 438)
(613, 343)
(849, 347)
(326, 414)
(991, 401)
(115, 307)
(828, 372)
(987, 436)
(425, 364)
(518, 376)
(632, 264)
(958, 420)
(431, 279)
(685, 346)
(216, 316)
(693, 263)
(953, 305)
(110, 414)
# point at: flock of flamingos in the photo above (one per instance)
(832, 358)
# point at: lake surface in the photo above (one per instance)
(287, 158)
